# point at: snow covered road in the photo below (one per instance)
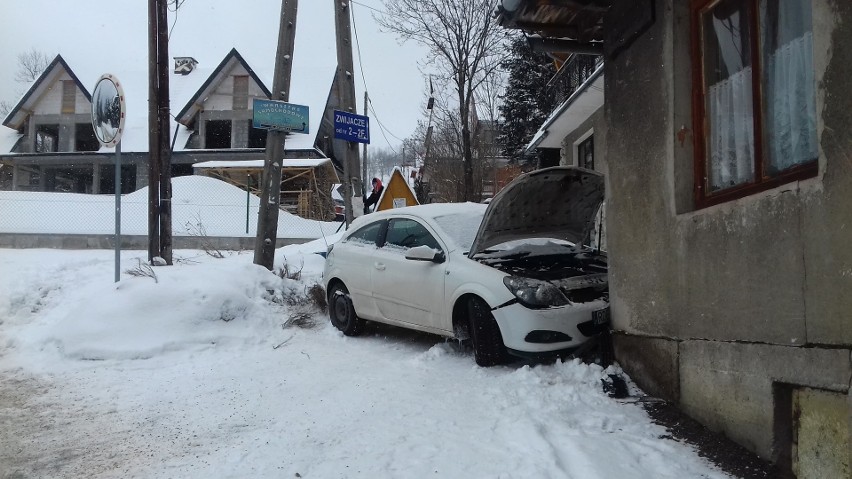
(147, 380)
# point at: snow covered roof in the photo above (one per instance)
(568, 116)
(8, 138)
(287, 163)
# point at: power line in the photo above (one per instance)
(382, 129)
(177, 4)
(367, 6)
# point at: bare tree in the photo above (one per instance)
(31, 64)
(5, 108)
(464, 42)
(486, 148)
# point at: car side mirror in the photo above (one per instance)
(425, 253)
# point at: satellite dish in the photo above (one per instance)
(108, 110)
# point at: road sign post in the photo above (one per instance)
(108, 111)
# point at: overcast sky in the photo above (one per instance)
(100, 35)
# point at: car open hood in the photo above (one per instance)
(558, 202)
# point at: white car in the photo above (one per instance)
(512, 276)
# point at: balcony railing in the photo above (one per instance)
(576, 70)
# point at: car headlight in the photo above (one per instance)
(534, 293)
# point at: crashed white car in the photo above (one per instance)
(512, 276)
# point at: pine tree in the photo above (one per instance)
(527, 101)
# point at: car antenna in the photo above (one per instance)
(322, 232)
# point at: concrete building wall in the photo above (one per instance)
(596, 125)
(740, 297)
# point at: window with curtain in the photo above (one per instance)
(755, 108)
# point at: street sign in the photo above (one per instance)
(280, 116)
(351, 127)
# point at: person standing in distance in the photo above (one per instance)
(375, 194)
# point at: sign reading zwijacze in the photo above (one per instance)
(351, 127)
(280, 116)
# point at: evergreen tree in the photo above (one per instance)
(527, 101)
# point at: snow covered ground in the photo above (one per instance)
(194, 376)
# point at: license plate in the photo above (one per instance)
(600, 316)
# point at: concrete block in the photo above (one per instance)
(728, 386)
(822, 433)
(651, 362)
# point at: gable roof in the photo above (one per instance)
(314, 66)
(18, 114)
(192, 107)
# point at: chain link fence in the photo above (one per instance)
(201, 206)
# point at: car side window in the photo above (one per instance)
(406, 233)
(366, 235)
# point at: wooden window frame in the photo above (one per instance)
(588, 138)
(761, 181)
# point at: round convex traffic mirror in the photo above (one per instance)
(108, 110)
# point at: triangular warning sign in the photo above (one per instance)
(397, 193)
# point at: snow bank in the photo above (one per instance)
(221, 208)
(193, 376)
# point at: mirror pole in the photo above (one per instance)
(117, 210)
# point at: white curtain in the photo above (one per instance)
(790, 120)
(731, 140)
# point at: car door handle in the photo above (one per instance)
(379, 266)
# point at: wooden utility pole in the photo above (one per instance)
(159, 148)
(153, 136)
(346, 99)
(163, 132)
(270, 197)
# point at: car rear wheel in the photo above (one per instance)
(341, 312)
(488, 347)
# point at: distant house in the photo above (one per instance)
(725, 137)
(47, 142)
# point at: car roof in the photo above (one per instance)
(426, 212)
(429, 214)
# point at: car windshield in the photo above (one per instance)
(461, 227)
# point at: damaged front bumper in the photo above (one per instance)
(532, 332)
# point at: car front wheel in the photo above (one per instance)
(488, 347)
(341, 312)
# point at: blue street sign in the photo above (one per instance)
(279, 115)
(351, 127)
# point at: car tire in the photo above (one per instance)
(342, 313)
(488, 347)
